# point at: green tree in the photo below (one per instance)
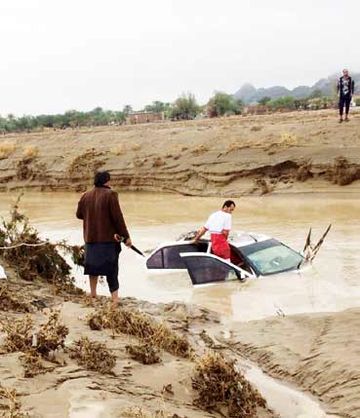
(286, 102)
(157, 107)
(264, 100)
(223, 104)
(185, 107)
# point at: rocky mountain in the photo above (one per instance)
(249, 94)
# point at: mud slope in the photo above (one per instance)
(300, 151)
(321, 356)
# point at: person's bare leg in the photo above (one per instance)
(115, 297)
(93, 285)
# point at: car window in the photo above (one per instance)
(274, 259)
(208, 269)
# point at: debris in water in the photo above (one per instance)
(223, 389)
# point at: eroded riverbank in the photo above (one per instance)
(282, 153)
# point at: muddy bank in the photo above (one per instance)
(318, 352)
(303, 151)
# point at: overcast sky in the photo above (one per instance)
(79, 54)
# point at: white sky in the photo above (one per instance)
(79, 54)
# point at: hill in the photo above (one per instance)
(249, 94)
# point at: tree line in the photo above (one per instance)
(185, 107)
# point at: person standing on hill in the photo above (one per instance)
(345, 90)
(219, 225)
(104, 228)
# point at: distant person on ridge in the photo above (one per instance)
(345, 90)
(219, 225)
(104, 227)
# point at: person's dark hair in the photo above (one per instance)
(228, 203)
(101, 177)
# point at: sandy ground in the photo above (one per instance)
(291, 152)
(318, 353)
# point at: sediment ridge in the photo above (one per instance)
(281, 153)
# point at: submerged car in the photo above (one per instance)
(252, 255)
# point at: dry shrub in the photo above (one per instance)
(342, 173)
(135, 147)
(6, 149)
(77, 254)
(93, 355)
(35, 259)
(158, 162)
(138, 324)
(32, 364)
(118, 150)
(201, 149)
(288, 139)
(223, 389)
(31, 152)
(86, 164)
(18, 334)
(144, 353)
(10, 406)
(51, 335)
(256, 128)
(11, 302)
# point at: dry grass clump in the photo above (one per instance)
(36, 259)
(51, 335)
(201, 149)
(32, 364)
(86, 164)
(6, 149)
(144, 353)
(21, 336)
(93, 355)
(342, 173)
(223, 389)
(18, 334)
(11, 302)
(10, 406)
(288, 139)
(138, 324)
(31, 152)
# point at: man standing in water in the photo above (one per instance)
(219, 225)
(345, 89)
(104, 227)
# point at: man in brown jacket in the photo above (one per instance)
(104, 228)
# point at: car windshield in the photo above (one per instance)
(274, 259)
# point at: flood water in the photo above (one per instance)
(331, 284)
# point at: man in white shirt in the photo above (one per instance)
(219, 226)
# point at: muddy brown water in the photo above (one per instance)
(330, 284)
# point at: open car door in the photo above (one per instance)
(209, 268)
